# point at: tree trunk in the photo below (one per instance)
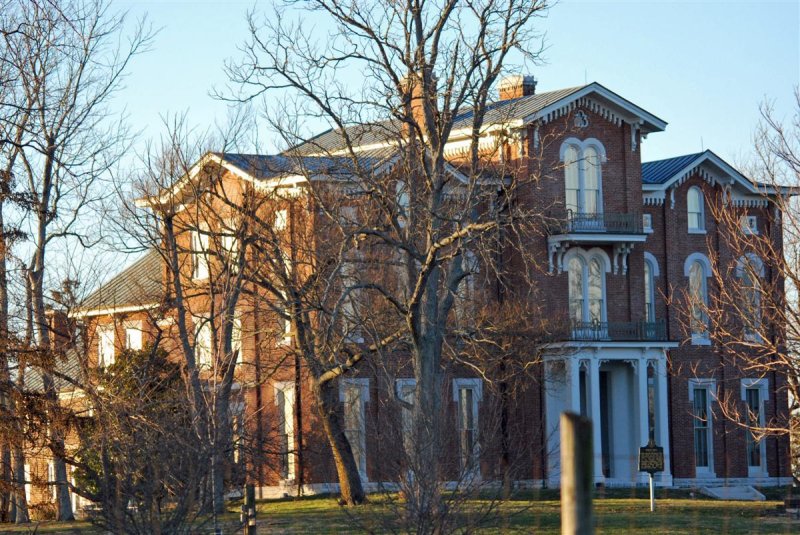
(351, 490)
(20, 502)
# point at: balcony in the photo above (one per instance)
(616, 331)
(577, 223)
(620, 230)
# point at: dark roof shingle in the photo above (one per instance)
(137, 285)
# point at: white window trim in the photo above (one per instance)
(289, 396)
(137, 327)
(281, 220)
(476, 385)
(586, 257)
(647, 223)
(406, 416)
(758, 264)
(702, 228)
(700, 339)
(105, 360)
(763, 386)
(747, 228)
(200, 240)
(581, 146)
(710, 385)
(202, 322)
(237, 335)
(651, 261)
(27, 474)
(363, 384)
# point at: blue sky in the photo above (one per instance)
(704, 67)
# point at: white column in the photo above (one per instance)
(662, 418)
(574, 397)
(594, 404)
(641, 367)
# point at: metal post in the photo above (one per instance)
(576, 474)
(652, 494)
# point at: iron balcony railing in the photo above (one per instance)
(609, 223)
(618, 331)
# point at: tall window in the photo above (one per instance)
(354, 393)
(754, 416)
(467, 394)
(698, 298)
(750, 270)
(230, 243)
(582, 176)
(754, 394)
(202, 342)
(236, 336)
(105, 345)
(701, 412)
(649, 291)
(285, 400)
(133, 335)
(695, 209)
(405, 392)
(586, 289)
(200, 240)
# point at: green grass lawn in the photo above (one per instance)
(616, 511)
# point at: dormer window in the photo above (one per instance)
(695, 210)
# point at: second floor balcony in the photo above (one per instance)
(614, 331)
(618, 229)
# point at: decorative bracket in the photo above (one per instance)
(556, 252)
(621, 251)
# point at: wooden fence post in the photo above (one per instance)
(576, 474)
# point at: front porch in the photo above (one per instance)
(622, 388)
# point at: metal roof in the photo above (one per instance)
(139, 284)
(661, 171)
(264, 167)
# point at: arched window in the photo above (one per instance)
(649, 293)
(583, 177)
(591, 181)
(750, 270)
(698, 297)
(575, 267)
(586, 287)
(695, 209)
(571, 180)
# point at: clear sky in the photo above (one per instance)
(704, 67)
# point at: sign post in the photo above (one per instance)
(651, 460)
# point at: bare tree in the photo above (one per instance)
(428, 70)
(65, 63)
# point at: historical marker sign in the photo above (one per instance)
(651, 458)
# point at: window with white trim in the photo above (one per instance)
(649, 293)
(349, 309)
(203, 342)
(467, 393)
(281, 220)
(105, 345)
(586, 281)
(229, 242)
(406, 392)
(133, 335)
(354, 393)
(754, 393)
(236, 336)
(285, 402)
(465, 297)
(582, 176)
(200, 241)
(647, 223)
(750, 271)
(51, 480)
(27, 471)
(701, 393)
(697, 269)
(695, 209)
(749, 224)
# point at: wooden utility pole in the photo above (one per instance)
(576, 474)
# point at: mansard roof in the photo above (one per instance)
(137, 287)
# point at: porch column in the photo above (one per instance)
(662, 418)
(597, 431)
(574, 394)
(644, 426)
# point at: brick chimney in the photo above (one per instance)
(61, 329)
(414, 85)
(516, 86)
